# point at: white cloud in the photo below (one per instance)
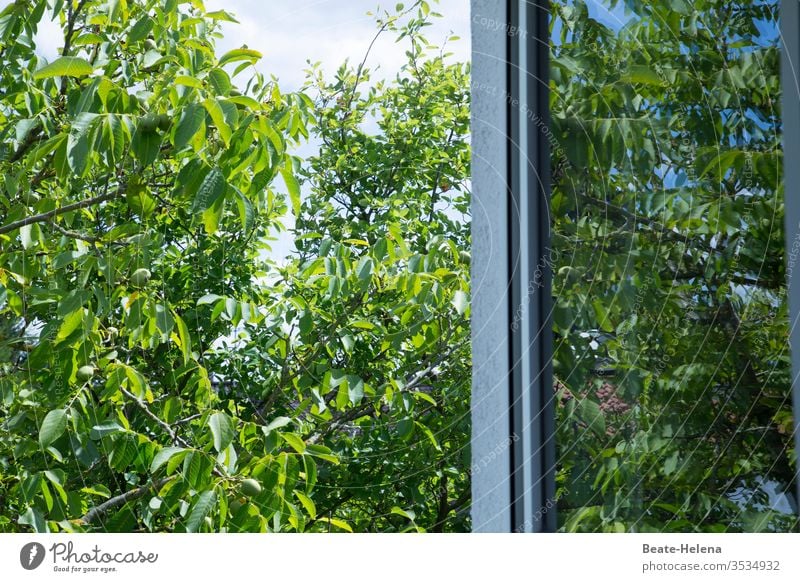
(290, 32)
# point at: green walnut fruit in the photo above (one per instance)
(85, 373)
(164, 121)
(465, 257)
(236, 506)
(113, 332)
(150, 45)
(148, 123)
(140, 277)
(250, 487)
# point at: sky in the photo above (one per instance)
(290, 32)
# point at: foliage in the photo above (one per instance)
(157, 373)
(671, 319)
(137, 180)
(367, 349)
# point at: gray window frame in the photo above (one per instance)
(513, 421)
(513, 440)
(790, 77)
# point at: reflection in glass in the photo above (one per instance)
(672, 370)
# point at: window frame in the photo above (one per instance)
(790, 74)
(513, 438)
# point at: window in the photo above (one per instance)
(664, 237)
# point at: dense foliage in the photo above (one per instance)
(672, 367)
(157, 371)
(160, 372)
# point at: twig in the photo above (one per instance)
(187, 419)
(149, 414)
(72, 233)
(122, 499)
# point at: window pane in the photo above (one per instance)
(672, 368)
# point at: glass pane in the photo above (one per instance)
(672, 369)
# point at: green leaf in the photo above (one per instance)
(79, 143)
(189, 82)
(71, 322)
(164, 320)
(99, 431)
(217, 115)
(308, 504)
(338, 523)
(221, 15)
(212, 216)
(137, 384)
(671, 463)
(364, 269)
(590, 413)
(460, 302)
(140, 30)
(322, 452)
(602, 315)
(294, 441)
(146, 145)
(428, 433)
(184, 338)
(163, 456)
(212, 187)
(222, 430)
(355, 388)
(65, 67)
(124, 453)
(720, 164)
(408, 514)
(53, 426)
(220, 82)
(25, 236)
(240, 54)
(33, 518)
(247, 213)
(278, 422)
(201, 508)
(191, 121)
(293, 186)
(644, 75)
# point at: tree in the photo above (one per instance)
(137, 181)
(158, 373)
(671, 319)
(366, 348)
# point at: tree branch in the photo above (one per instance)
(47, 216)
(120, 500)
